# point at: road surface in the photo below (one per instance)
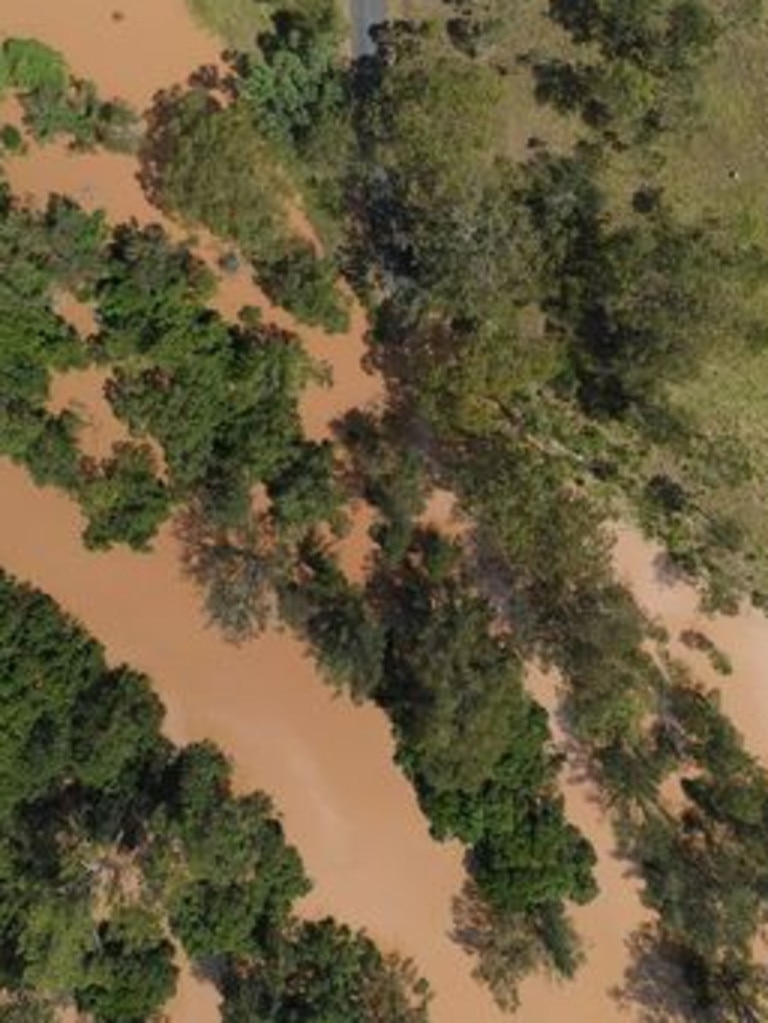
(363, 15)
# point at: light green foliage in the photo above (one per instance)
(57, 935)
(434, 119)
(238, 22)
(296, 81)
(79, 114)
(31, 66)
(430, 133)
(55, 104)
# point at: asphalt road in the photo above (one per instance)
(363, 14)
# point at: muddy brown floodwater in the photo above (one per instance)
(742, 637)
(327, 764)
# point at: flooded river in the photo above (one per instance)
(327, 764)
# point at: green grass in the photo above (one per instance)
(237, 22)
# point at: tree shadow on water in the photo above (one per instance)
(654, 988)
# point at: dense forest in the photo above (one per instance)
(554, 307)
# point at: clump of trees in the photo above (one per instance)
(208, 163)
(56, 103)
(476, 747)
(116, 844)
(298, 88)
(641, 77)
(35, 340)
(324, 971)
(219, 401)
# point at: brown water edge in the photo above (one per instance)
(328, 764)
(109, 181)
(150, 44)
(742, 637)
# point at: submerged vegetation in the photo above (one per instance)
(552, 322)
(54, 103)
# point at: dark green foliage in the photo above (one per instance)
(643, 306)
(329, 973)
(101, 818)
(332, 614)
(305, 284)
(642, 79)
(389, 478)
(123, 498)
(663, 35)
(37, 719)
(304, 493)
(116, 721)
(131, 973)
(452, 688)
(34, 340)
(242, 876)
(76, 243)
(11, 138)
(474, 743)
(149, 287)
(221, 401)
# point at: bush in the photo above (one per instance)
(11, 138)
(305, 284)
(31, 66)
